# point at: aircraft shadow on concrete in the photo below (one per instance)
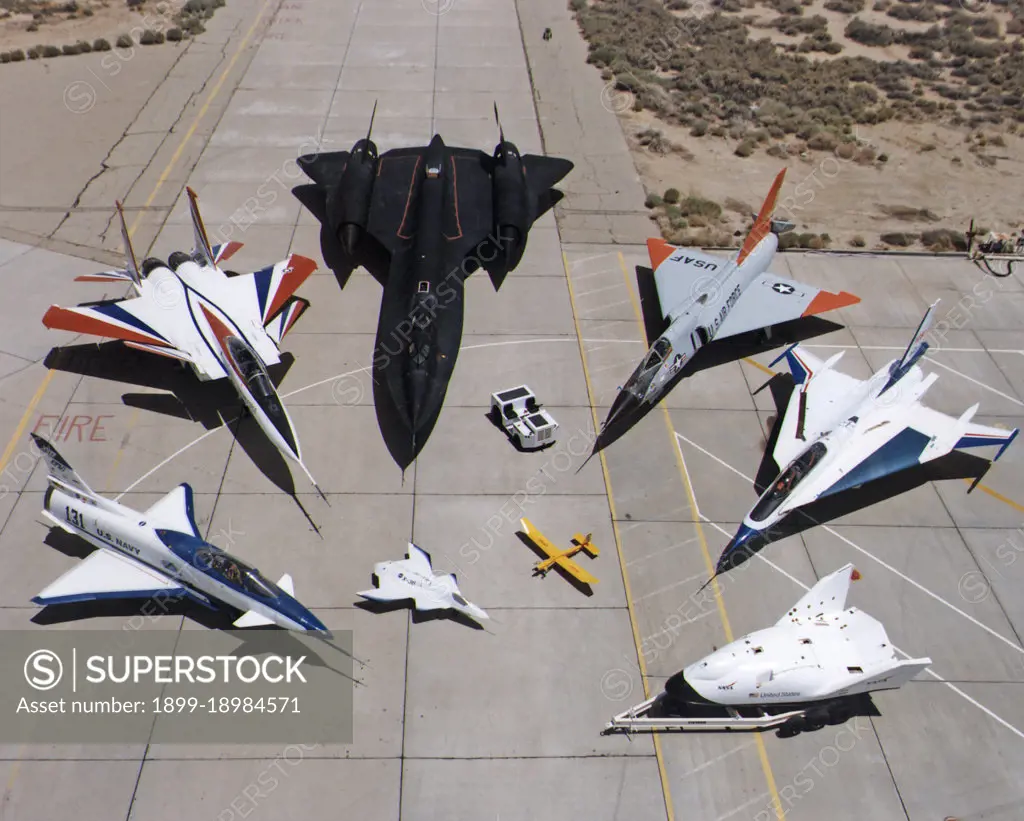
(584, 588)
(418, 616)
(954, 465)
(184, 397)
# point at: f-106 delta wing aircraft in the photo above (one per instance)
(702, 297)
(223, 326)
(413, 578)
(157, 553)
(813, 666)
(421, 220)
(838, 432)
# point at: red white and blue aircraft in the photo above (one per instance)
(222, 326)
(838, 432)
(157, 554)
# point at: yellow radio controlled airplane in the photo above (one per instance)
(561, 557)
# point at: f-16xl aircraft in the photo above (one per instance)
(190, 310)
(838, 432)
(808, 668)
(157, 553)
(702, 297)
(421, 220)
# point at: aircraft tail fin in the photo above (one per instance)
(202, 250)
(586, 545)
(129, 252)
(286, 584)
(763, 222)
(827, 596)
(60, 471)
(917, 345)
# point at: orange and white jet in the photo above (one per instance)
(189, 309)
(704, 297)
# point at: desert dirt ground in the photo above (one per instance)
(59, 24)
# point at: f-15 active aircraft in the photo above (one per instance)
(838, 432)
(702, 297)
(421, 220)
(157, 553)
(189, 309)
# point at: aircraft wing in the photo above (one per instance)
(682, 275)
(176, 511)
(140, 322)
(574, 570)
(821, 393)
(106, 575)
(538, 538)
(266, 292)
(772, 300)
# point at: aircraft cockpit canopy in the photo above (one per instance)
(223, 566)
(254, 373)
(786, 483)
(459, 599)
(659, 352)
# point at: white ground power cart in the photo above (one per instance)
(517, 411)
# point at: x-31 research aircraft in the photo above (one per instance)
(157, 553)
(838, 432)
(421, 220)
(702, 297)
(190, 310)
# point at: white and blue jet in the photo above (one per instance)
(838, 432)
(157, 554)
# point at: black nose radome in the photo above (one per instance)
(177, 258)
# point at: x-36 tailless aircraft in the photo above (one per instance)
(190, 310)
(157, 553)
(702, 297)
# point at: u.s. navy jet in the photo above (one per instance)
(190, 310)
(413, 578)
(838, 432)
(421, 220)
(813, 664)
(157, 553)
(701, 297)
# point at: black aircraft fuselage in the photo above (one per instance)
(421, 220)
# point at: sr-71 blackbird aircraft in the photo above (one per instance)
(421, 220)
(838, 432)
(157, 553)
(189, 309)
(702, 297)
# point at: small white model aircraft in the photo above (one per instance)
(813, 661)
(839, 432)
(189, 309)
(157, 553)
(701, 297)
(413, 578)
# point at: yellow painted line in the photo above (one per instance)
(669, 809)
(20, 430)
(759, 366)
(997, 495)
(202, 111)
(762, 752)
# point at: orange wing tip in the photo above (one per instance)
(855, 575)
(95, 278)
(229, 251)
(827, 301)
(659, 251)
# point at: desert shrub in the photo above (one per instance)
(677, 5)
(51, 51)
(695, 204)
(803, 240)
(987, 27)
(920, 53)
(34, 53)
(898, 239)
(5, 57)
(602, 56)
(69, 7)
(577, 5)
(699, 128)
(671, 196)
(151, 38)
(800, 25)
(846, 151)
(845, 6)
(100, 45)
(997, 139)
(823, 141)
(858, 241)
(174, 35)
(133, 4)
(943, 239)
(787, 241)
(745, 148)
(32, 27)
(87, 12)
(653, 201)
(921, 12)
(865, 155)
(815, 243)
(17, 56)
(195, 26)
(777, 150)
(70, 49)
(125, 41)
(83, 47)
(868, 34)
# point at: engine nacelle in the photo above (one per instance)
(348, 203)
(510, 205)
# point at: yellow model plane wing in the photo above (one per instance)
(574, 570)
(539, 538)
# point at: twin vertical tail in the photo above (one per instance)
(763, 221)
(58, 469)
(915, 350)
(202, 251)
(132, 268)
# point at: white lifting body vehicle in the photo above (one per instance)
(517, 411)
